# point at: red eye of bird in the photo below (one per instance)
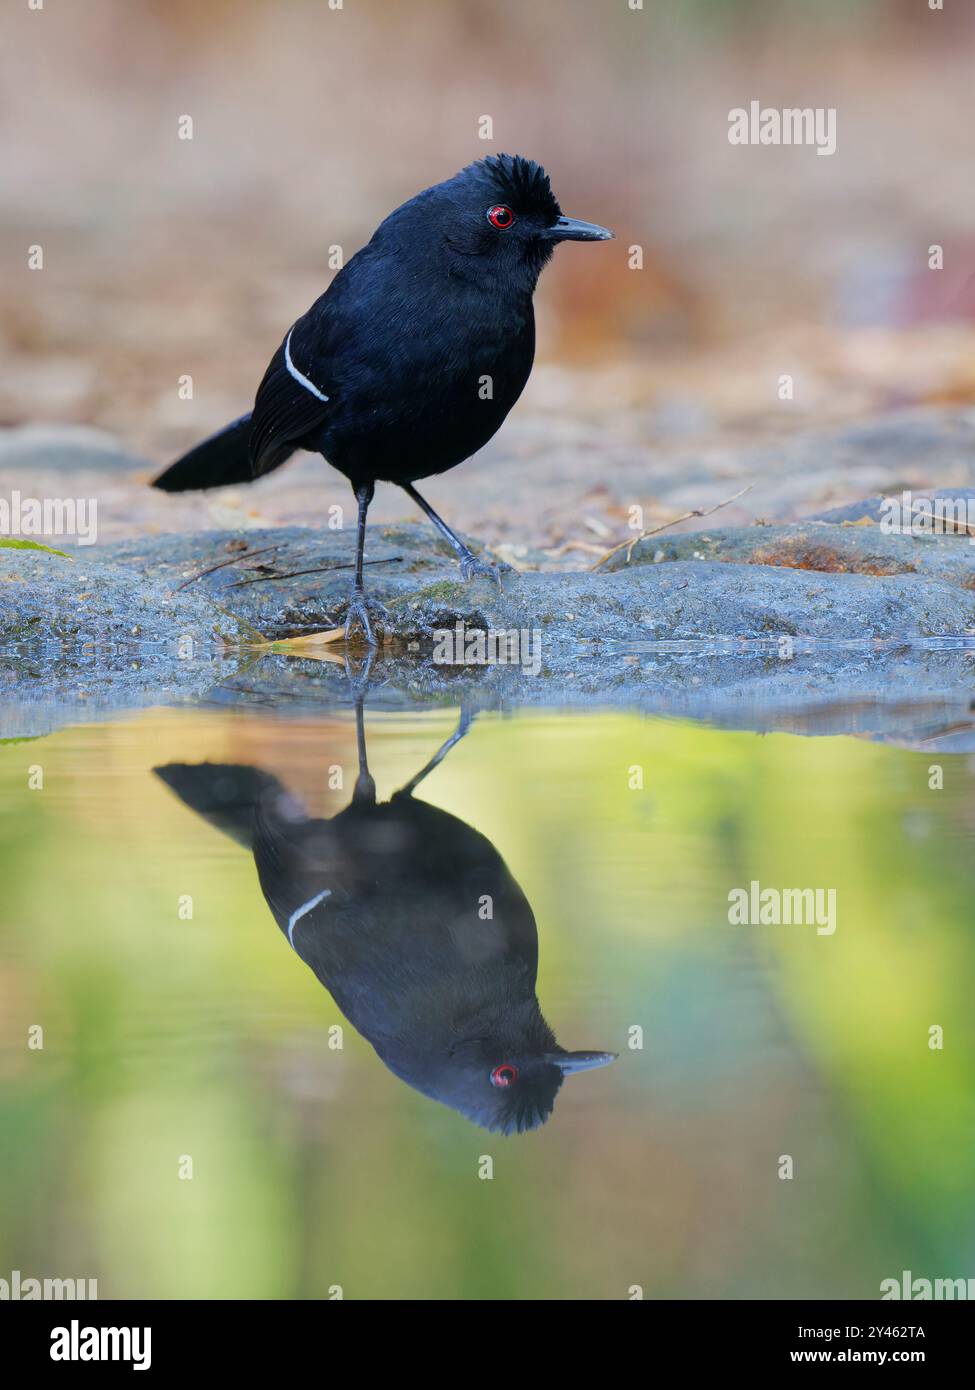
(505, 1075)
(501, 217)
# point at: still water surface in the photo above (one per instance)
(216, 1114)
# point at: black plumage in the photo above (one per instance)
(412, 921)
(413, 356)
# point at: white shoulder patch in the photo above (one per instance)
(300, 377)
(302, 911)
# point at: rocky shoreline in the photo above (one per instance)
(765, 627)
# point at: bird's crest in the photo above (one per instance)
(526, 1110)
(522, 183)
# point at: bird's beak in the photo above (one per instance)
(572, 229)
(569, 1062)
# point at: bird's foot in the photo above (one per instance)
(359, 674)
(357, 616)
(471, 566)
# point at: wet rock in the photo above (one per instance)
(873, 508)
(291, 580)
(814, 581)
(735, 622)
(41, 692)
(93, 601)
(843, 547)
(301, 586)
(80, 640)
(915, 696)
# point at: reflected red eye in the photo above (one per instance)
(505, 1075)
(501, 217)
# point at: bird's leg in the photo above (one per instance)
(357, 610)
(466, 720)
(469, 563)
(365, 787)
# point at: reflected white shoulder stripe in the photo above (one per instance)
(300, 912)
(300, 377)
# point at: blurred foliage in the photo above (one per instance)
(314, 1167)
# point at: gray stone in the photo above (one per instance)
(872, 508)
(843, 547)
(418, 583)
(882, 627)
(81, 639)
(69, 447)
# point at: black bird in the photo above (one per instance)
(413, 356)
(411, 920)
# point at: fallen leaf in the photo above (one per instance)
(309, 643)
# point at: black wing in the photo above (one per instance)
(293, 398)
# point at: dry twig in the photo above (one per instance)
(318, 569)
(244, 555)
(687, 516)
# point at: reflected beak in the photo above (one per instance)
(569, 1062)
(571, 229)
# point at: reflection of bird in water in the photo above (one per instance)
(411, 920)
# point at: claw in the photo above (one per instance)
(470, 566)
(357, 613)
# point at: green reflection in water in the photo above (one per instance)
(312, 1167)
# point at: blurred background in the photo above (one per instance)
(165, 257)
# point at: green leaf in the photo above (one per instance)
(8, 543)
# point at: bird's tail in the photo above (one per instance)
(223, 458)
(226, 795)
